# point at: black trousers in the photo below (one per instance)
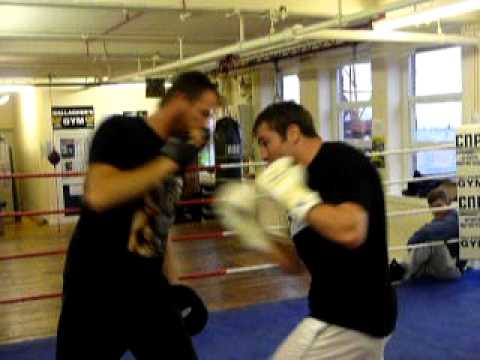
(108, 310)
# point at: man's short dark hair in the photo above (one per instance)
(280, 116)
(437, 194)
(192, 84)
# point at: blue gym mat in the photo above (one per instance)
(437, 321)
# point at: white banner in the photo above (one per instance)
(468, 189)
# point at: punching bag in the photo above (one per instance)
(228, 149)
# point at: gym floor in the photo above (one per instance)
(28, 277)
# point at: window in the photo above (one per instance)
(354, 107)
(436, 106)
(291, 88)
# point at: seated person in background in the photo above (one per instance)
(440, 262)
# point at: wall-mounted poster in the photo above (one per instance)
(67, 148)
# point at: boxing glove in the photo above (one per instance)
(183, 150)
(235, 205)
(191, 307)
(286, 182)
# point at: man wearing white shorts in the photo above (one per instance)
(334, 198)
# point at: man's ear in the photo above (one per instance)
(293, 133)
(183, 99)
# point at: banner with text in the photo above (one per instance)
(468, 189)
(73, 117)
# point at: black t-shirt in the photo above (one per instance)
(99, 245)
(349, 288)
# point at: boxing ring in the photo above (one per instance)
(275, 217)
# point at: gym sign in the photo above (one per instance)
(468, 189)
(76, 117)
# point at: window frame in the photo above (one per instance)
(413, 100)
(341, 106)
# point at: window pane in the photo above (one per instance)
(291, 88)
(436, 122)
(436, 162)
(357, 123)
(438, 72)
(355, 82)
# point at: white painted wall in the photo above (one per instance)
(33, 129)
(8, 113)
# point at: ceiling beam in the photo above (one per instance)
(294, 7)
(279, 39)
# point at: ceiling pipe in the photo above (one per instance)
(340, 11)
(127, 18)
(210, 56)
(69, 59)
(241, 27)
(86, 83)
(111, 38)
(241, 23)
(392, 36)
(287, 35)
(180, 48)
(344, 37)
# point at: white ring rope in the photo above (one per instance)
(235, 165)
(411, 150)
(369, 154)
(391, 248)
(243, 269)
(423, 245)
(272, 230)
(421, 211)
(420, 179)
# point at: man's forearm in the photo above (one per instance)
(345, 224)
(107, 187)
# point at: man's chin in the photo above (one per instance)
(180, 133)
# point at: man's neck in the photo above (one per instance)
(160, 122)
(308, 148)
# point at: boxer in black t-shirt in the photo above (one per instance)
(116, 296)
(335, 201)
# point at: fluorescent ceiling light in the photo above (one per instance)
(4, 99)
(437, 12)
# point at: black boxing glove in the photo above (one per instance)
(191, 307)
(182, 150)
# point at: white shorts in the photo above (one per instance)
(315, 339)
